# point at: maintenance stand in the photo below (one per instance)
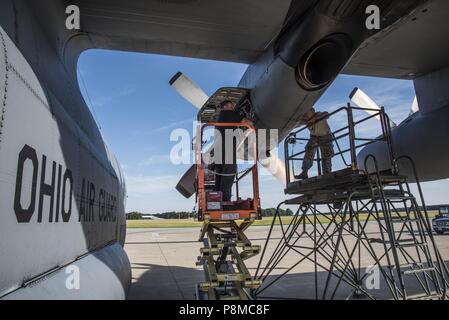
(354, 224)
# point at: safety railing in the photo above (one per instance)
(352, 133)
(204, 161)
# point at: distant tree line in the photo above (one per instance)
(176, 215)
(270, 212)
(134, 215)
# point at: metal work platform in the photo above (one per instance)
(239, 96)
(332, 218)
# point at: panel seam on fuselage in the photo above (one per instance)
(29, 87)
(53, 271)
(10, 67)
(5, 88)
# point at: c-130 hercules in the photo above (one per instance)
(62, 194)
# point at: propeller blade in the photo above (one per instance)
(361, 99)
(415, 106)
(186, 185)
(272, 164)
(189, 90)
(276, 167)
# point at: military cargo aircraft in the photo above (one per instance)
(62, 193)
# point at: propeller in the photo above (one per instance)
(189, 90)
(361, 99)
(196, 96)
(276, 167)
(415, 106)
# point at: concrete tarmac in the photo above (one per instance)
(163, 265)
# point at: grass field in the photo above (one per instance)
(177, 223)
(183, 223)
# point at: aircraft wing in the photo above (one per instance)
(241, 30)
(412, 47)
(234, 30)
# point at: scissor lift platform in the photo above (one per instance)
(226, 246)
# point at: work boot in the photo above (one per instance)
(302, 176)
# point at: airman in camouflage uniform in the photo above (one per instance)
(320, 136)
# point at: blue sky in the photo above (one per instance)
(129, 95)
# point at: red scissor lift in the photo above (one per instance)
(225, 245)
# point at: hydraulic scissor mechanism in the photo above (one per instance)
(223, 257)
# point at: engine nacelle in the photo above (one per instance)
(307, 57)
(423, 137)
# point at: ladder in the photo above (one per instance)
(407, 237)
(377, 217)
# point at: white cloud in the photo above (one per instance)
(154, 194)
(148, 185)
(167, 127)
(173, 125)
(162, 129)
(155, 159)
(100, 101)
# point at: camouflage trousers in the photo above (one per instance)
(326, 150)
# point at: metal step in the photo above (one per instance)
(415, 271)
(389, 178)
(394, 198)
(401, 220)
(431, 296)
(400, 242)
(411, 265)
(410, 245)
